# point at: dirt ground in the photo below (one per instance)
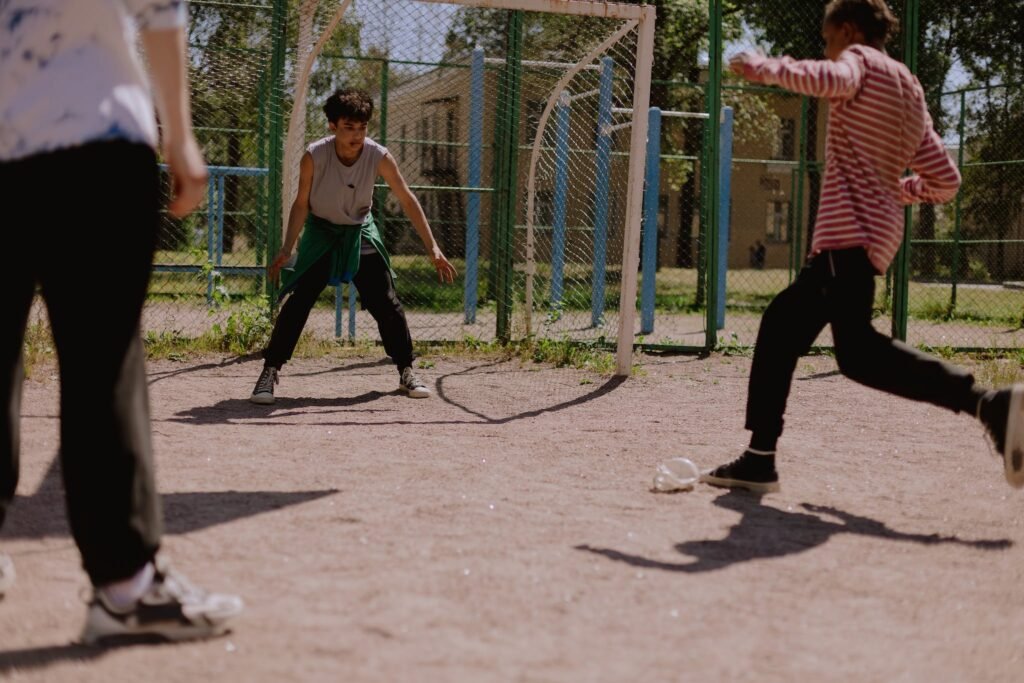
(504, 530)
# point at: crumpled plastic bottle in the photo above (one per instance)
(677, 474)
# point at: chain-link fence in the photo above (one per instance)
(523, 173)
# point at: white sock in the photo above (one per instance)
(124, 594)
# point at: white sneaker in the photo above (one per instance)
(6, 574)
(411, 384)
(1013, 448)
(171, 609)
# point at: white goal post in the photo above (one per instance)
(638, 21)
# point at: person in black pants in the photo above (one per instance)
(81, 163)
(340, 241)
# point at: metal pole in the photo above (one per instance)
(561, 198)
(634, 198)
(211, 229)
(724, 197)
(714, 105)
(507, 215)
(603, 170)
(279, 31)
(652, 187)
(798, 238)
(958, 212)
(901, 272)
(476, 154)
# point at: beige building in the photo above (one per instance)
(427, 131)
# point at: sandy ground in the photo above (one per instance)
(504, 530)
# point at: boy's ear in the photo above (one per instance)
(332, 127)
(851, 33)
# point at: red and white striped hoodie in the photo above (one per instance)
(878, 126)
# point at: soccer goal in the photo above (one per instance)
(520, 125)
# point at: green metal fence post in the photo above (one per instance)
(798, 238)
(901, 271)
(955, 266)
(503, 244)
(279, 30)
(714, 107)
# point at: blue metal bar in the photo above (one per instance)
(231, 170)
(211, 212)
(604, 149)
(724, 200)
(337, 311)
(652, 189)
(254, 271)
(561, 197)
(476, 145)
(351, 311)
(220, 220)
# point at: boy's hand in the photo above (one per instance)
(274, 269)
(445, 271)
(188, 175)
(744, 64)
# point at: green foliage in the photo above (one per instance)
(247, 328)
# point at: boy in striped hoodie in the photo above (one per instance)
(878, 126)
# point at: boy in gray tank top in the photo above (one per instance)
(340, 242)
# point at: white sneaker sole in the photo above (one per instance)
(113, 633)
(262, 399)
(416, 393)
(1013, 448)
(756, 487)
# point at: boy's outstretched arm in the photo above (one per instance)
(163, 39)
(840, 79)
(936, 179)
(388, 169)
(296, 217)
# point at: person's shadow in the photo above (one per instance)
(765, 532)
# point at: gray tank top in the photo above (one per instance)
(343, 194)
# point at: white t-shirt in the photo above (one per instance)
(70, 72)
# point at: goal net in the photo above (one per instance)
(518, 124)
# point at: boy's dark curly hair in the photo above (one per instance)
(873, 17)
(349, 104)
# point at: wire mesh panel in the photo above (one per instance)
(501, 121)
(213, 260)
(967, 257)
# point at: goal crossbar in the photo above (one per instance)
(583, 8)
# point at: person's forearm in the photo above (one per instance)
(419, 223)
(165, 52)
(296, 219)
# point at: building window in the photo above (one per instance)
(785, 146)
(777, 223)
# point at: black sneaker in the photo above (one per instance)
(749, 471)
(172, 610)
(6, 574)
(411, 384)
(1002, 413)
(263, 394)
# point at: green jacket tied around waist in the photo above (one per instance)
(340, 242)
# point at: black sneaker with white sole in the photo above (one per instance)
(1002, 414)
(749, 471)
(6, 574)
(263, 393)
(172, 609)
(411, 384)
